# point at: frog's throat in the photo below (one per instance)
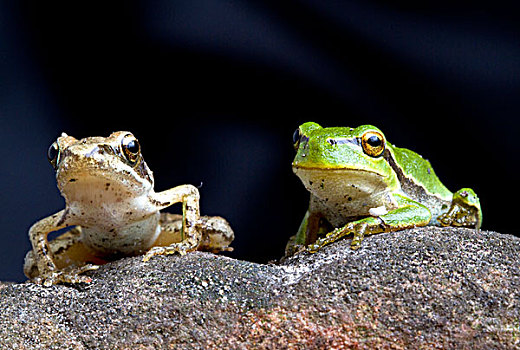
(95, 184)
(344, 182)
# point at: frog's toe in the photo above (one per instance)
(43, 280)
(293, 249)
(153, 252)
(355, 245)
(69, 275)
(171, 249)
(82, 269)
(320, 243)
(313, 248)
(72, 278)
(445, 220)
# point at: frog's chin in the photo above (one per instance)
(343, 184)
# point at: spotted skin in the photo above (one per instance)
(360, 184)
(110, 200)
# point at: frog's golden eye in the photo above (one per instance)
(131, 148)
(297, 135)
(373, 143)
(53, 154)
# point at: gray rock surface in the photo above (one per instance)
(420, 288)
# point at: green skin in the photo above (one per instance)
(356, 191)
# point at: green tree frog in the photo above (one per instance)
(360, 184)
(110, 201)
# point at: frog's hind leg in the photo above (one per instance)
(464, 210)
(67, 251)
(171, 230)
(217, 235)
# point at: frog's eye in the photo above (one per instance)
(131, 148)
(296, 138)
(53, 154)
(373, 143)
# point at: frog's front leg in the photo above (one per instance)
(67, 251)
(191, 235)
(42, 256)
(408, 214)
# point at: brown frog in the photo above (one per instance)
(110, 201)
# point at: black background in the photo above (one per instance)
(214, 90)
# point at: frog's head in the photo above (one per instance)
(94, 167)
(344, 157)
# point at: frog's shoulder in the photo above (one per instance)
(416, 169)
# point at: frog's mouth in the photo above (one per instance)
(342, 184)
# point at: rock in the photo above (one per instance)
(421, 288)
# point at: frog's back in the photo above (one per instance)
(418, 173)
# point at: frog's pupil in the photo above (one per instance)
(374, 141)
(132, 147)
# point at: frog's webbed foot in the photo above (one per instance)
(464, 211)
(176, 248)
(358, 229)
(71, 274)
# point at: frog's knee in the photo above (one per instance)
(190, 191)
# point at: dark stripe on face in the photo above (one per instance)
(387, 155)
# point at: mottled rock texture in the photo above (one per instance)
(420, 288)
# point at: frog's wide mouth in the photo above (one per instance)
(298, 168)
